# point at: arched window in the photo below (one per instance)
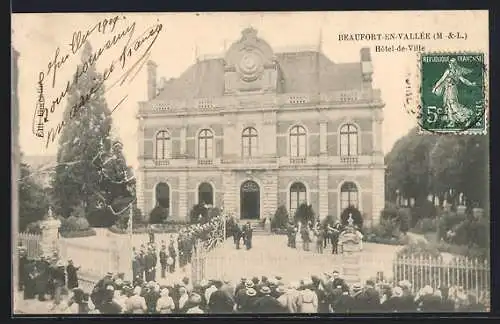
(298, 196)
(348, 140)
(205, 194)
(298, 141)
(162, 193)
(205, 144)
(249, 141)
(349, 195)
(162, 145)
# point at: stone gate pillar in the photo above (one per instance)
(50, 234)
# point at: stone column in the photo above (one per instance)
(182, 190)
(269, 196)
(230, 192)
(378, 194)
(50, 234)
(183, 140)
(323, 193)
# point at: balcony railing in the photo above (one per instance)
(162, 162)
(205, 162)
(349, 159)
(298, 160)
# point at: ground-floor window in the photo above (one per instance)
(349, 195)
(298, 196)
(205, 194)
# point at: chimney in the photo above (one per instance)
(151, 80)
(366, 64)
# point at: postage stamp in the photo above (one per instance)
(453, 93)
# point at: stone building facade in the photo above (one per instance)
(258, 129)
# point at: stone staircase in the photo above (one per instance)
(258, 229)
(351, 268)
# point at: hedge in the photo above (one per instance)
(371, 238)
(75, 234)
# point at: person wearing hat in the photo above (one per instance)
(72, 273)
(408, 299)
(393, 303)
(172, 254)
(242, 296)
(195, 302)
(220, 302)
(109, 305)
(136, 304)
(163, 260)
(368, 301)
(59, 278)
(240, 285)
(165, 304)
(308, 300)
(266, 303)
(247, 303)
(344, 304)
(42, 278)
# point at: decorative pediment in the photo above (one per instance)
(250, 63)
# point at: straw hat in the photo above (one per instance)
(251, 292)
(280, 289)
(265, 290)
(356, 287)
(397, 292)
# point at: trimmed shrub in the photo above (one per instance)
(425, 225)
(304, 214)
(74, 224)
(422, 209)
(280, 218)
(404, 218)
(158, 215)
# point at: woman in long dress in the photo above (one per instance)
(447, 88)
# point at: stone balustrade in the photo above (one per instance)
(265, 100)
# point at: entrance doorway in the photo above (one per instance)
(250, 200)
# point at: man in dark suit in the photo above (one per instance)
(369, 299)
(248, 236)
(163, 260)
(220, 302)
(237, 233)
(172, 254)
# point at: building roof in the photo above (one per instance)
(300, 72)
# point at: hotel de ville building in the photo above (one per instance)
(257, 129)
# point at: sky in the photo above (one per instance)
(185, 36)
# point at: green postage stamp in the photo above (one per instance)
(453, 93)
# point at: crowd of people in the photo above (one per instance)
(328, 293)
(49, 278)
(321, 235)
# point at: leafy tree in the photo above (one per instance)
(408, 166)
(33, 201)
(280, 219)
(86, 133)
(304, 214)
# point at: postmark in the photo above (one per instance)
(452, 93)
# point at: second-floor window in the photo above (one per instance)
(205, 144)
(348, 140)
(249, 142)
(298, 141)
(162, 145)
